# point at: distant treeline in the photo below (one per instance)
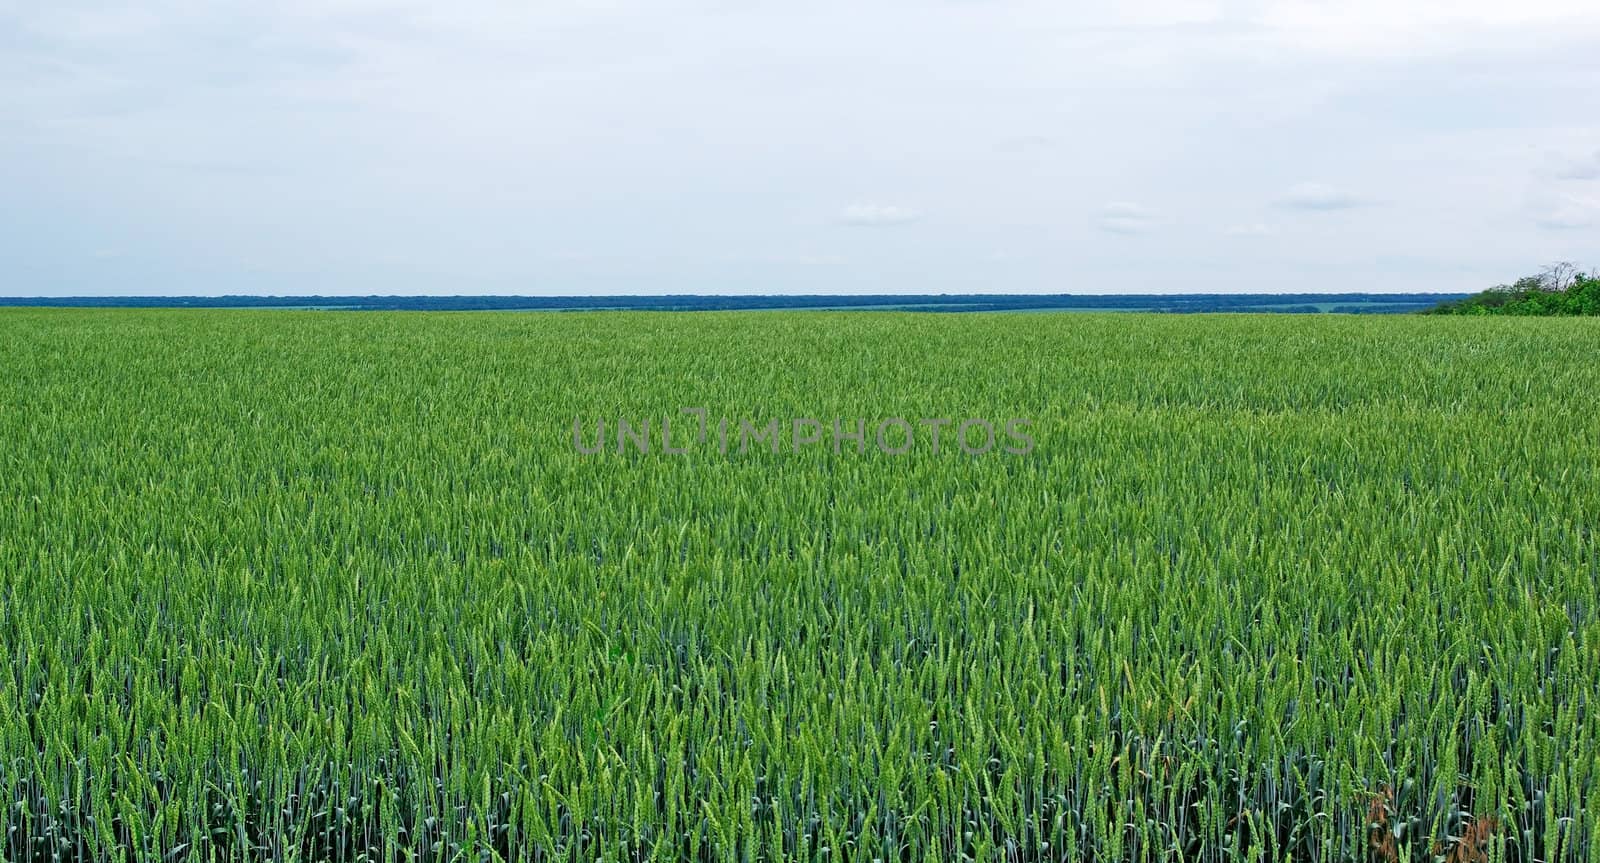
(1176, 303)
(1559, 290)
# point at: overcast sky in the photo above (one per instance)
(804, 146)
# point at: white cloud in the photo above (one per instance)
(1028, 143)
(1581, 169)
(878, 214)
(1408, 28)
(1319, 196)
(1566, 212)
(782, 259)
(1126, 218)
(597, 146)
(1255, 229)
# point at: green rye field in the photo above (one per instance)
(307, 586)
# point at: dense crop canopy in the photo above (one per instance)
(309, 586)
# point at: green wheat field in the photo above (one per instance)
(307, 586)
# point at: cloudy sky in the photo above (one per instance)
(804, 146)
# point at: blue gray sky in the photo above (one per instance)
(824, 146)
